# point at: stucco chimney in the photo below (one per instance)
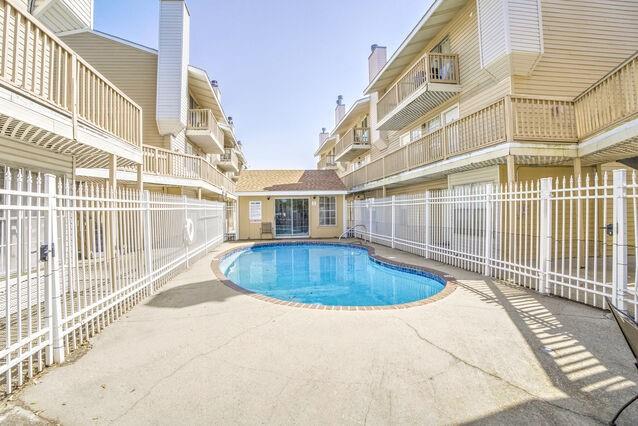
(376, 60)
(172, 67)
(340, 110)
(323, 136)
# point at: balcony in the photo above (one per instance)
(327, 162)
(351, 145)
(178, 169)
(51, 98)
(512, 118)
(203, 131)
(431, 81)
(228, 161)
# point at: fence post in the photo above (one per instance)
(545, 237)
(489, 219)
(53, 305)
(619, 277)
(393, 220)
(186, 237)
(427, 221)
(148, 244)
(370, 221)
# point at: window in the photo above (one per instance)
(254, 211)
(405, 139)
(432, 125)
(327, 211)
(451, 115)
(415, 134)
(443, 46)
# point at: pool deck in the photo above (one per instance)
(198, 352)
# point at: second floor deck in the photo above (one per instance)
(185, 170)
(580, 125)
(52, 98)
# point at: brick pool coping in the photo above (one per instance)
(448, 281)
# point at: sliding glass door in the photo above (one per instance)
(291, 217)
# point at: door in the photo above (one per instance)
(291, 217)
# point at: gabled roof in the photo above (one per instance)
(438, 16)
(289, 181)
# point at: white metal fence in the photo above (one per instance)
(571, 238)
(75, 256)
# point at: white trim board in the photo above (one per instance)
(288, 193)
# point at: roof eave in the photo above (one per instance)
(375, 85)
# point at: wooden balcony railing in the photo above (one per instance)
(612, 100)
(355, 136)
(203, 119)
(431, 68)
(326, 161)
(173, 164)
(39, 65)
(507, 119)
(230, 156)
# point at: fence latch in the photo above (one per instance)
(44, 252)
(609, 229)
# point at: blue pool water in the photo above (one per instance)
(327, 274)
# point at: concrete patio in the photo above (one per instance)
(200, 353)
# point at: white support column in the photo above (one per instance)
(148, 242)
(427, 222)
(53, 290)
(545, 237)
(619, 278)
(489, 220)
(393, 220)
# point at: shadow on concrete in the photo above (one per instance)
(183, 296)
(581, 350)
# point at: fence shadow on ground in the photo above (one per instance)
(191, 294)
(579, 347)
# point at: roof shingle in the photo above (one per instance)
(289, 180)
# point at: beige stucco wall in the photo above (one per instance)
(252, 230)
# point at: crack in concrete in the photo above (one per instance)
(373, 391)
(193, 358)
(494, 375)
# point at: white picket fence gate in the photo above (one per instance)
(76, 256)
(571, 238)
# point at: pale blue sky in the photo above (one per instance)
(280, 63)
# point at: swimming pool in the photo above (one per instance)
(327, 274)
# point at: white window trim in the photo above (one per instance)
(332, 225)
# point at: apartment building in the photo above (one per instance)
(50, 121)
(189, 143)
(494, 91)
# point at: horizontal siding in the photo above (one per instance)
(417, 188)
(524, 23)
(492, 38)
(583, 41)
(132, 70)
(479, 88)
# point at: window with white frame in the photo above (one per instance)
(254, 211)
(327, 211)
(405, 139)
